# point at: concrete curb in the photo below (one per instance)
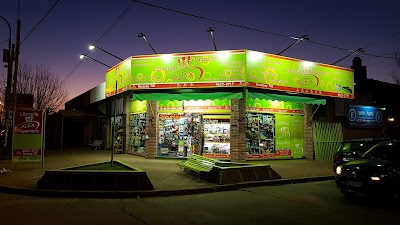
(154, 193)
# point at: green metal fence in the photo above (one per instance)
(327, 138)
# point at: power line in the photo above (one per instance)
(253, 29)
(120, 17)
(213, 20)
(34, 28)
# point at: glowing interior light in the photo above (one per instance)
(307, 63)
(223, 54)
(391, 119)
(166, 57)
(376, 178)
(91, 47)
(82, 56)
(255, 56)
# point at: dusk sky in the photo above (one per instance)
(72, 25)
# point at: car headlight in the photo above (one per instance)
(339, 170)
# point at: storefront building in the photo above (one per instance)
(237, 104)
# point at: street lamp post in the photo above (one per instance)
(86, 56)
(211, 31)
(115, 106)
(141, 35)
(92, 47)
(8, 87)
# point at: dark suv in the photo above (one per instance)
(353, 149)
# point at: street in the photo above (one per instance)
(305, 203)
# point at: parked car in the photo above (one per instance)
(377, 172)
(353, 148)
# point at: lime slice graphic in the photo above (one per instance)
(157, 76)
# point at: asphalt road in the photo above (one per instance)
(306, 203)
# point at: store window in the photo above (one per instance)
(260, 133)
(179, 134)
(216, 135)
(137, 136)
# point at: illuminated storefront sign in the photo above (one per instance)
(280, 73)
(359, 115)
(235, 68)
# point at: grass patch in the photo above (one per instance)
(104, 166)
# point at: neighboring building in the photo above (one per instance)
(236, 104)
(373, 112)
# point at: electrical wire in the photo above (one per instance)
(34, 28)
(213, 20)
(253, 29)
(120, 17)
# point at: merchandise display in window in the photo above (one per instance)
(260, 133)
(216, 136)
(178, 134)
(119, 135)
(137, 136)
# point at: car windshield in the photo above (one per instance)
(355, 146)
(386, 151)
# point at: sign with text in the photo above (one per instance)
(360, 115)
(189, 70)
(281, 73)
(28, 135)
(231, 68)
(118, 78)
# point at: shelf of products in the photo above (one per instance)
(216, 136)
(260, 133)
(119, 135)
(137, 136)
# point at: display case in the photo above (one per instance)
(260, 133)
(119, 134)
(137, 134)
(216, 136)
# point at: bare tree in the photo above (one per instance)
(49, 92)
(395, 71)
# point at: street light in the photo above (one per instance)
(142, 35)
(92, 47)
(353, 52)
(304, 37)
(211, 30)
(86, 56)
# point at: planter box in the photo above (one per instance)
(80, 178)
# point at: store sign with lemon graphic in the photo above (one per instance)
(280, 73)
(234, 68)
(192, 70)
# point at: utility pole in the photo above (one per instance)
(8, 90)
(15, 79)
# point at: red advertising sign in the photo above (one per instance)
(28, 135)
(28, 122)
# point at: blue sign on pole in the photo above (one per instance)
(360, 115)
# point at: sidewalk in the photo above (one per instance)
(163, 173)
